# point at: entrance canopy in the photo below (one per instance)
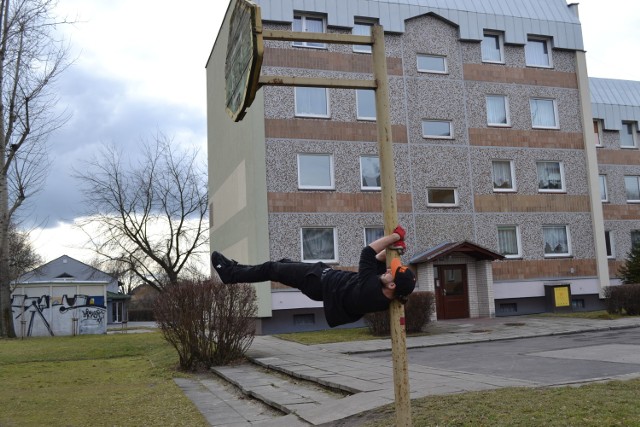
(465, 247)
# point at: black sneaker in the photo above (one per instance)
(222, 264)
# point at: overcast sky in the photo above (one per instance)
(140, 70)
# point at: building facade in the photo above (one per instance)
(498, 172)
(66, 297)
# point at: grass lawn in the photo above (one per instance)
(598, 315)
(123, 379)
(604, 404)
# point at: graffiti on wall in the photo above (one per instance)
(47, 315)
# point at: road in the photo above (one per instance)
(544, 360)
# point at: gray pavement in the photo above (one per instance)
(296, 392)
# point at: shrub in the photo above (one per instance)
(623, 298)
(208, 323)
(629, 272)
(417, 313)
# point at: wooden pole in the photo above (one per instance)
(390, 212)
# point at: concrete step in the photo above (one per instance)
(286, 394)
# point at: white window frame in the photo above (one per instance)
(626, 191)
(331, 172)
(597, 130)
(506, 109)
(376, 227)
(500, 38)
(303, 18)
(426, 135)
(358, 48)
(547, 42)
(634, 137)
(567, 234)
(512, 168)
(608, 236)
(562, 178)
(359, 93)
(555, 113)
(362, 186)
(516, 230)
(429, 70)
(602, 179)
(303, 114)
(443, 205)
(335, 245)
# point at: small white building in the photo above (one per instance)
(66, 297)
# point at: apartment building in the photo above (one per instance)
(616, 112)
(497, 170)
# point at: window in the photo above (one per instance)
(437, 129)
(603, 188)
(632, 187)
(310, 24)
(543, 113)
(628, 135)
(366, 104)
(635, 238)
(318, 244)
(371, 234)
(503, 175)
(312, 102)
(609, 244)
(362, 29)
(497, 110)
(370, 173)
(550, 177)
(509, 241)
(304, 319)
(577, 303)
(432, 64)
(536, 52)
(556, 240)
(508, 307)
(315, 171)
(597, 130)
(492, 48)
(442, 197)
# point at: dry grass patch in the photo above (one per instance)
(124, 379)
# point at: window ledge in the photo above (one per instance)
(551, 256)
(498, 125)
(506, 190)
(626, 147)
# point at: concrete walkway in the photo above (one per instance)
(367, 382)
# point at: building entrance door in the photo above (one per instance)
(117, 311)
(452, 292)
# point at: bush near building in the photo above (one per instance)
(208, 323)
(623, 299)
(417, 313)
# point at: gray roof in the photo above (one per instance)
(516, 18)
(615, 101)
(66, 269)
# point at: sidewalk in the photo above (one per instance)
(369, 382)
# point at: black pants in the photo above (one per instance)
(299, 275)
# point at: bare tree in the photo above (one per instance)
(31, 58)
(149, 215)
(22, 255)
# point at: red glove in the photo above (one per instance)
(400, 232)
(399, 246)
